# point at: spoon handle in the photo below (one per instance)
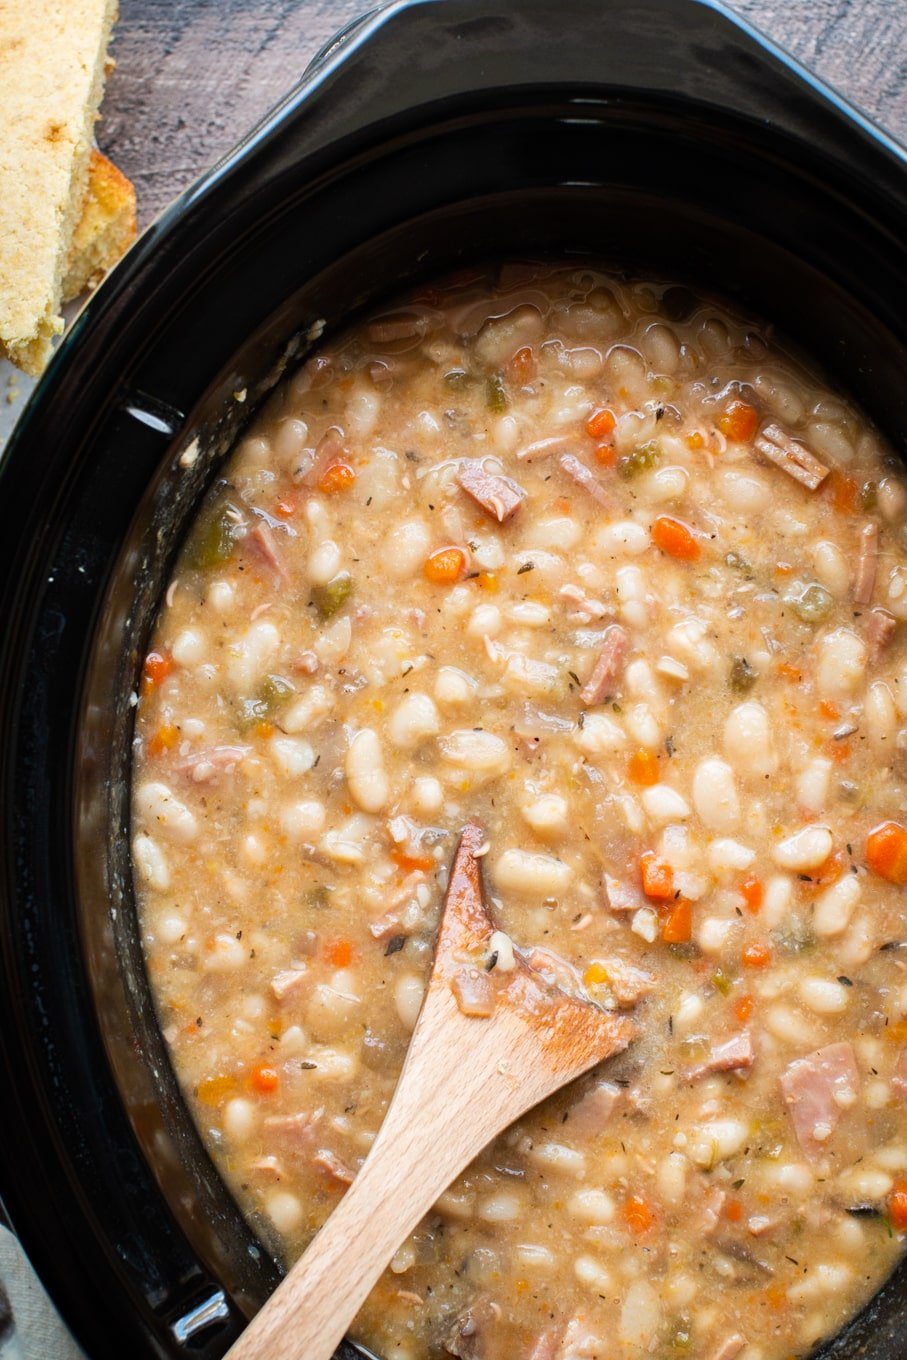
(450, 1101)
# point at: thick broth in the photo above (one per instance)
(599, 564)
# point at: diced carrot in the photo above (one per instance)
(743, 1008)
(695, 440)
(657, 877)
(756, 956)
(642, 768)
(264, 729)
(337, 476)
(445, 566)
(752, 892)
(738, 421)
(678, 928)
(606, 454)
(844, 492)
(595, 974)
(285, 507)
(897, 1206)
(157, 667)
(840, 751)
(521, 367)
(412, 862)
(339, 953)
(562, 505)
(675, 538)
(164, 739)
(886, 852)
(733, 1209)
(212, 1090)
(265, 1080)
(829, 710)
(784, 569)
(639, 1215)
(487, 580)
(600, 423)
(833, 868)
(788, 672)
(776, 1296)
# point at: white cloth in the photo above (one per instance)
(38, 1331)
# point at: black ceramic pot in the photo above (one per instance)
(663, 134)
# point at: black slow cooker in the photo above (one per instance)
(664, 135)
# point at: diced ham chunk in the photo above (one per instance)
(261, 542)
(867, 564)
(292, 1134)
(734, 1055)
(333, 1166)
(880, 630)
(628, 984)
(817, 1090)
(585, 479)
(710, 1207)
(732, 1345)
(499, 496)
(581, 1342)
(791, 457)
(592, 1111)
(474, 991)
(621, 896)
(287, 984)
(581, 608)
(554, 969)
(268, 1168)
(899, 1076)
(204, 766)
(608, 668)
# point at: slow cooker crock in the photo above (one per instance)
(666, 135)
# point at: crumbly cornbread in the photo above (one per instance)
(106, 228)
(52, 66)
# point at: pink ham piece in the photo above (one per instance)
(879, 632)
(585, 479)
(732, 1345)
(608, 668)
(333, 1167)
(287, 984)
(734, 1055)
(899, 1076)
(207, 765)
(627, 984)
(580, 1342)
(817, 1090)
(292, 1134)
(499, 496)
(621, 896)
(867, 564)
(592, 1111)
(261, 543)
(474, 991)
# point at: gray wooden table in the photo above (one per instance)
(193, 75)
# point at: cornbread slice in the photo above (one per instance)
(106, 228)
(52, 68)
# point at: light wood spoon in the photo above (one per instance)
(466, 1077)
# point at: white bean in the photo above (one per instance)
(239, 1119)
(151, 862)
(748, 742)
(718, 1139)
(630, 585)
(880, 716)
(504, 1207)
(715, 795)
(599, 735)
(292, 756)
(835, 905)
(592, 1273)
(727, 856)
(481, 752)
(324, 562)
(558, 1157)
(664, 804)
(640, 1316)
(842, 664)
(428, 795)
(158, 804)
(414, 719)
(302, 821)
(622, 538)
(591, 1206)
(284, 1210)
(251, 655)
(823, 995)
(831, 567)
(408, 992)
(308, 710)
(546, 814)
(189, 647)
(812, 785)
(525, 871)
(407, 547)
(454, 687)
(484, 621)
(368, 783)
(744, 491)
(804, 850)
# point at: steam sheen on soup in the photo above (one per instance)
(598, 563)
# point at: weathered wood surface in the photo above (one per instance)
(194, 75)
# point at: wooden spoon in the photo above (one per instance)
(466, 1077)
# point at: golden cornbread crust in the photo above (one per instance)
(105, 229)
(52, 67)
